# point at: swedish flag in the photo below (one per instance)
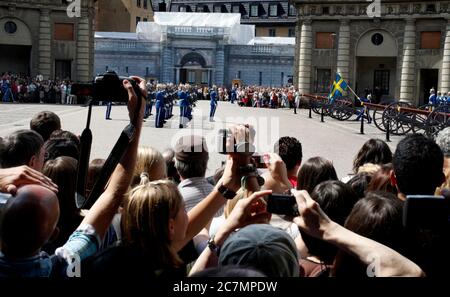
(338, 89)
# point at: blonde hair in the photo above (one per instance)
(150, 166)
(145, 220)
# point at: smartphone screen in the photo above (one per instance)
(282, 205)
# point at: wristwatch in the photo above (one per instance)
(212, 245)
(227, 193)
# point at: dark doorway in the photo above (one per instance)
(381, 80)
(428, 79)
(183, 76)
(63, 69)
(15, 58)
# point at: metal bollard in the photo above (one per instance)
(388, 128)
(362, 121)
(310, 109)
(321, 115)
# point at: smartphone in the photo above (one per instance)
(258, 161)
(422, 211)
(282, 205)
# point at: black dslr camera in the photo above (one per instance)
(106, 87)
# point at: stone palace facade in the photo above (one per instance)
(400, 46)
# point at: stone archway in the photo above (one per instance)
(376, 54)
(193, 69)
(15, 45)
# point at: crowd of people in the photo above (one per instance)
(160, 216)
(25, 89)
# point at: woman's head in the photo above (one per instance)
(154, 217)
(378, 216)
(381, 180)
(150, 166)
(337, 200)
(374, 151)
(313, 172)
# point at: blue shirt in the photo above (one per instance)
(213, 96)
(160, 99)
(84, 242)
(183, 98)
(432, 99)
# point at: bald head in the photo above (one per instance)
(28, 221)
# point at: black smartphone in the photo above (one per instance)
(258, 161)
(422, 211)
(282, 205)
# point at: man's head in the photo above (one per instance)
(264, 247)
(191, 156)
(23, 147)
(45, 123)
(28, 221)
(290, 151)
(418, 166)
(443, 140)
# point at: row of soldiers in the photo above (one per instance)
(163, 97)
(438, 99)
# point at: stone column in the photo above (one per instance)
(177, 75)
(305, 59)
(83, 48)
(445, 72)
(343, 58)
(407, 82)
(167, 64)
(220, 65)
(297, 50)
(45, 49)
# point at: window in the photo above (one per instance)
(63, 31)
(126, 69)
(106, 68)
(217, 8)
(199, 8)
(254, 10)
(325, 10)
(273, 10)
(182, 8)
(146, 71)
(431, 8)
(260, 78)
(63, 69)
(272, 32)
(325, 40)
(145, 19)
(323, 80)
(235, 9)
(282, 78)
(191, 76)
(292, 11)
(204, 77)
(145, 4)
(430, 40)
(138, 3)
(291, 32)
(239, 74)
(381, 79)
(138, 19)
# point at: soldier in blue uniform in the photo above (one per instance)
(184, 105)
(159, 105)
(233, 95)
(213, 103)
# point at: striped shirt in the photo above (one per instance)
(194, 190)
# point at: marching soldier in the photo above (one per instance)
(160, 113)
(213, 103)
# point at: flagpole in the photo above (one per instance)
(357, 97)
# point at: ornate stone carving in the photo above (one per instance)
(338, 10)
(313, 10)
(351, 9)
(444, 7)
(404, 8)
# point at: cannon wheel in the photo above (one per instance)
(392, 116)
(420, 120)
(437, 121)
(377, 118)
(342, 110)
